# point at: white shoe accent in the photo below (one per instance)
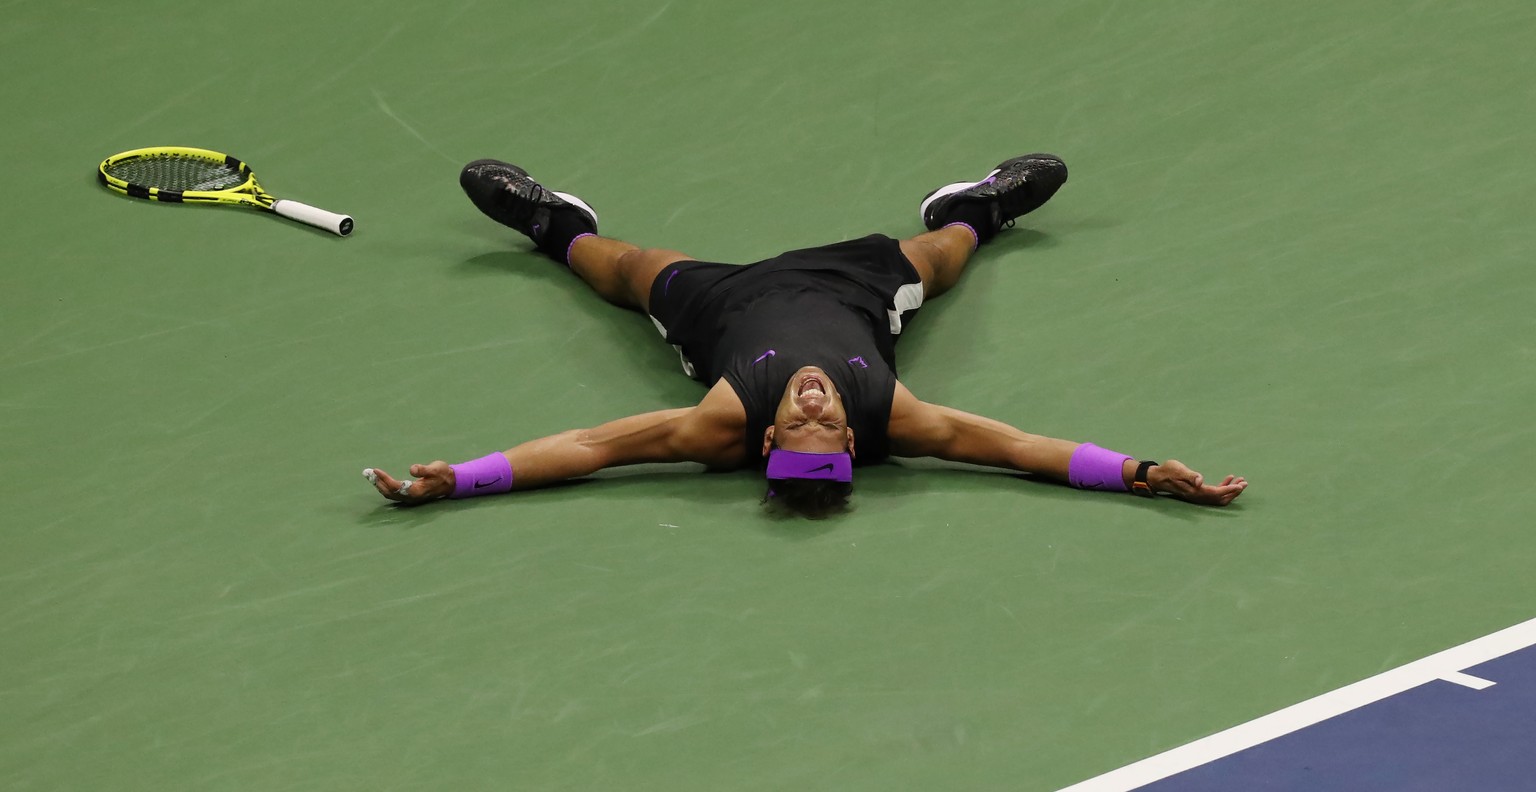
(571, 199)
(949, 189)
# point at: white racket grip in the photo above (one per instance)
(338, 224)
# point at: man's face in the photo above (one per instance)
(810, 416)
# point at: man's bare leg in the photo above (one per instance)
(940, 257)
(964, 215)
(619, 272)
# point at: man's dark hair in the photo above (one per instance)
(811, 498)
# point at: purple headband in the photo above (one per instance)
(805, 465)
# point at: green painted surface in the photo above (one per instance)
(1295, 246)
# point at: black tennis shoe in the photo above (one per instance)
(508, 195)
(1013, 189)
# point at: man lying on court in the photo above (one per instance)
(798, 352)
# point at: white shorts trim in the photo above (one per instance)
(908, 298)
(687, 364)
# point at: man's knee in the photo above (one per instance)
(927, 258)
(639, 268)
(645, 258)
(642, 264)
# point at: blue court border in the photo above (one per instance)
(1448, 666)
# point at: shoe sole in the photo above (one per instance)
(951, 189)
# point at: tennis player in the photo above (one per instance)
(797, 352)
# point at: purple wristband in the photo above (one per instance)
(487, 475)
(1097, 468)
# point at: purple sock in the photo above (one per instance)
(572, 246)
(978, 216)
(565, 225)
(975, 237)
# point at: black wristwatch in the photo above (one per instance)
(1140, 485)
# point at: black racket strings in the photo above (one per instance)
(177, 173)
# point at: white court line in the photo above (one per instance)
(1467, 680)
(1445, 665)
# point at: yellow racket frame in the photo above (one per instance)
(247, 193)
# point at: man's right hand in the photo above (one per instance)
(432, 482)
(1177, 479)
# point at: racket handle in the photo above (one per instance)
(338, 224)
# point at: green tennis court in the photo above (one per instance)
(1295, 246)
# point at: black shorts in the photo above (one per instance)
(871, 274)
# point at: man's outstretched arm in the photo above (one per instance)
(920, 429)
(710, 433)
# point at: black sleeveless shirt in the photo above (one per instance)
(757, 325)
(766, 342)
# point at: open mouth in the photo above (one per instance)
(812, 384)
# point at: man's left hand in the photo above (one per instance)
(432, 482)
(1177, 479)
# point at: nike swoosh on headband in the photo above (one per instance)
(785, 464)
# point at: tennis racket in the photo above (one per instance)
(191, 175)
